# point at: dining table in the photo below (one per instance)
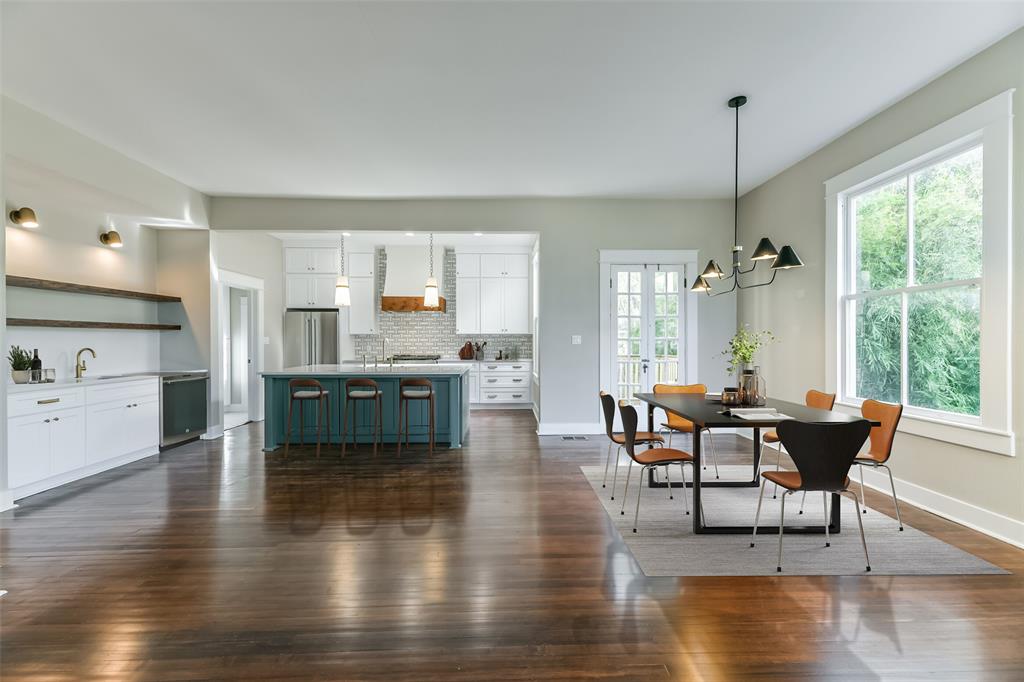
(706, 413)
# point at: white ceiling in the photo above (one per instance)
(428, 99)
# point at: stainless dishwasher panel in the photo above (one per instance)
(182, 408)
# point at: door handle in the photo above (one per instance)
(48, 401)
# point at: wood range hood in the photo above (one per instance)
(405, 275)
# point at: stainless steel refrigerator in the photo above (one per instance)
(310, 337)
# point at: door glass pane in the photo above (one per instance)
(628, 324)
(666, 327)
(944, 349)
(880, 226)
(877, 347)
(947, 219)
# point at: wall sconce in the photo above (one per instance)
(111, 239)
(24, 217)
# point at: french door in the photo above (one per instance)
(647, 311)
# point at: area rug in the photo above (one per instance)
(664, 544)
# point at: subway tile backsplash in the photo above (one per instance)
(428, 333)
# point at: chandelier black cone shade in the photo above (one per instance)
(781, 259)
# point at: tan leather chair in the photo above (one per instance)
(880, 448)
(675, 423)
(618, 439)
(816, 399)
(648, 459)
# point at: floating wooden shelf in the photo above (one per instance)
(410, 304)
(72, 288)
(85, 324)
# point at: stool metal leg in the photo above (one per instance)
(401, 407)
(344, 427)
(288, 430)
(319, 423)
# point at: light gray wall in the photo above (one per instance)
(791, 209)
(571, 233)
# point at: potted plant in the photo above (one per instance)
(21, 363)
(741, 350)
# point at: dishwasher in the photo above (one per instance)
(182, 406)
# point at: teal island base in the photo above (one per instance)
(451, 405)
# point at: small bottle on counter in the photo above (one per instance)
(36, 368)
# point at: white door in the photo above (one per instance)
(467, 305)
(516, 295)
(517, 265)
(324, 260)
(467, 265)
(647, 314)
(362, 313)
(491, 307)
(492, 265)
(28, 443)
(297, 291)
(297, 260)
(322, 290)
(67, 441)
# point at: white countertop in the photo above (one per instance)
(99, 380)
(356, 369)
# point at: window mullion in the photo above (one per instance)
(911, 270)
(904, 352)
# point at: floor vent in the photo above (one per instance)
(574, 438)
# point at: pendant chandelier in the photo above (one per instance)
(430, 294)
(783, 259)
(342, 294)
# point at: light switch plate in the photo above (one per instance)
(576, 339)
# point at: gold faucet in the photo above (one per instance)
(80, 363)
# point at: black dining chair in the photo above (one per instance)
(823, 454)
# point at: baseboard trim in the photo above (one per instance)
(7, 500)
(974, 517)
(569, 428)
(213, 434)
(78, 474)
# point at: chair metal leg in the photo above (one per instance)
(714, 452)
(615, 474)
(670, 432)
(896, 502)
(782, 523)
(288, 431)
(686, 501)
(668, 481)
(778, 467)
(757, 514)
(824, 502)
(625, 491)
(863, 542)
(802, 500)
(639, 492)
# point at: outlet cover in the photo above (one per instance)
(576, 339)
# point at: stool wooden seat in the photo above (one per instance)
(361, 389)
(415, 389)
(302, 391)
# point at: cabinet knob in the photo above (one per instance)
(46, 421)
(56, 419)
(517, 395)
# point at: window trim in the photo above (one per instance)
(988, 124)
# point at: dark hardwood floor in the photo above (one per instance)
(493, 562)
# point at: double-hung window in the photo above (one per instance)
(919, 280)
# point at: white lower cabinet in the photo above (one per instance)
(501, 382)
(57, 435)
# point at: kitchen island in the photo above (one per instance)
(451, 419)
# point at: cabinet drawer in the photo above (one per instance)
(502, 366)
(44, 400)
(495, 380)
(504, 395)
(148, 387)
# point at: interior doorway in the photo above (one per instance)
(648, 322)
(241, 325)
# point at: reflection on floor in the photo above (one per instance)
(233, 419)
(494, 562)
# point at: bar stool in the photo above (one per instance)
(361, 389)
(415, 389)
(302, 391)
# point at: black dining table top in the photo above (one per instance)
(704, 413)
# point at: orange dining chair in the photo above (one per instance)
(619, 439)
(675, 423)
(880, 448)
(815, 399)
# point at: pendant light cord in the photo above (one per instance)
(342, 255)
(736, 186)
(431, 254)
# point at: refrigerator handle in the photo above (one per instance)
(309, 340)
(316, 354)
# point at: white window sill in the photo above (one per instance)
(966, 435)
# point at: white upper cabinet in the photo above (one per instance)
(505, 265)
(467, 265)
(492, 293)
(309, 291)
(360, 265)
(467, 305)
(318, 260)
